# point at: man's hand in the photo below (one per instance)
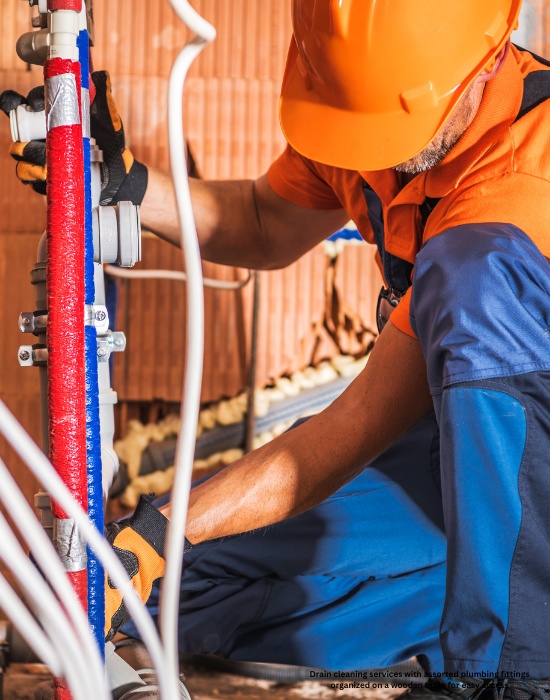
(138, 542)
(123, 178)
(31, 155)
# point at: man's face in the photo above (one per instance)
(442, 144)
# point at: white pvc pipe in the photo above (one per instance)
(41, 467)
(29, 629)
(68, 641)
(47, 559)
(176, 276)
(169, 606)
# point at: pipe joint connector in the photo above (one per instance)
(64, 29)
(33, 47)
(117, 234)
(27, 125)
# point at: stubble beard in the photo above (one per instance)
(448, 137)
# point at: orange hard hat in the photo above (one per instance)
(369, 83)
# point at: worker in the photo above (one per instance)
(422, 123)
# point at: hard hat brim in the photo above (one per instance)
(356, 140)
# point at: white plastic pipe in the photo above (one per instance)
(41, 467)
(176, 276)
(29, 629)
(76, 669)
(169, 606)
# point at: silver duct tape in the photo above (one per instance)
(85, 100)
(61, 101)
(69, 545)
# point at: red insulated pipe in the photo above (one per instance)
(74, 5)
(65, 284)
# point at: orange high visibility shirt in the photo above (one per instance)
(499, 171)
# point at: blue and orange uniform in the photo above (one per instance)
(360, 580)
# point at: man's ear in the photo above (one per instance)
(494, 66)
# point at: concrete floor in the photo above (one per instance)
(203, 684)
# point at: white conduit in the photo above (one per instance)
(31, 631)
(175, 275)
(78, 679)
(169, 606)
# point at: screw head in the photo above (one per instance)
(102, 352)
(119, 341)
(25, 320)
(100, 315)
(24, 355)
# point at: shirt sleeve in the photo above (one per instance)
(295, 178)
(401, 315)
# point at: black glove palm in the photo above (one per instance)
(30, 155)
(139, 543)
(122, 179)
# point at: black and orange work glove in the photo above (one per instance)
(138, 542)
(30, 155)
(123, 178)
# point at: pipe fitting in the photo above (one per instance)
(27, 125)
(33, 47)
(64, 29)
(117, 234)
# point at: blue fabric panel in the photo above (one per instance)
(347, 234)
(480, 304)
(356, 581)
(527, 643)
(111, 302)
(483, 435)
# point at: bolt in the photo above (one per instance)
(25, 320)
(24, 355)
(100, 315)
(102, 352)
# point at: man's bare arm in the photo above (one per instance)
(240, 222)
(302, 467)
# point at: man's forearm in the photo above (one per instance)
(239, 222)
(304, 466)
(224, 213)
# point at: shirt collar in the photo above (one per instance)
(499, 107)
